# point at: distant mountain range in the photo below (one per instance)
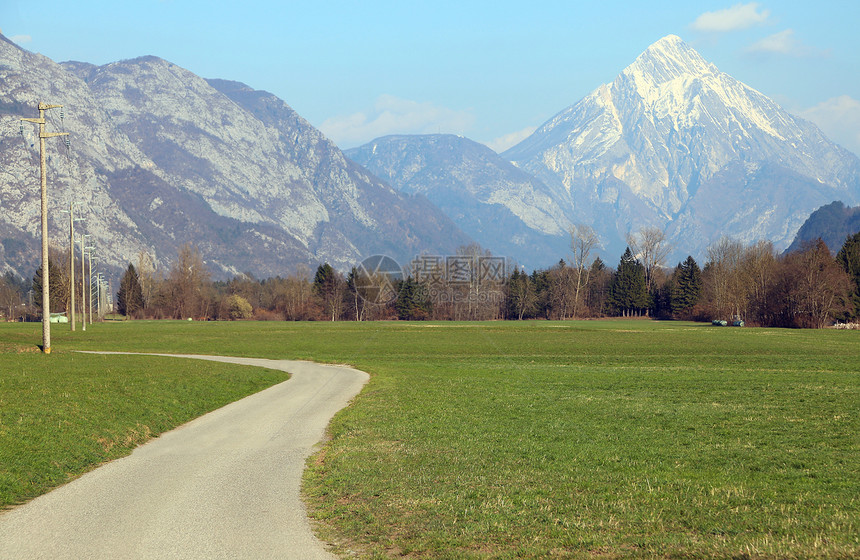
(160, 157)
(493, 201)
(672, 142)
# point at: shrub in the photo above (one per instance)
(238, 308)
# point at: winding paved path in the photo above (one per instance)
(225, 485)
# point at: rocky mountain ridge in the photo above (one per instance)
(673, 142)
(497, 204)
(833, 223)
(160, 157)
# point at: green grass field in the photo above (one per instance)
(539, 439)
(65, 413)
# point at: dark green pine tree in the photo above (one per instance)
(541, 285)
(848, 258)
(129, 298)
(330, 288)
(628, 292)
(520, 295)
(323, 279)
(412, 303)
(687, 287)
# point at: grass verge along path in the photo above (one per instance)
(65, 413)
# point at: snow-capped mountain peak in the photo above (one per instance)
(667, 60)
(671, 78)
(672, 141)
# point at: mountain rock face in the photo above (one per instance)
(833, 223)
(160, 157)
(500, 206)
(673, 142)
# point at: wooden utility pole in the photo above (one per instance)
(90, 284)
(72, 290)
(46, 307)
(83, 285)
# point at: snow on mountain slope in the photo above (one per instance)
(651, 147)
(500, 206)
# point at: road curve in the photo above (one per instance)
(225, 485)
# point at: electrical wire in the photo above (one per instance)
(28, 149)
(68, 143)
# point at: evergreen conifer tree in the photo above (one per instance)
(628, 293)
(129, 299)
(848, 258)
(330, 287)
(520, 294)
(688, 286)
(412, 302)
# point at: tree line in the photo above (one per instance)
(751, 283)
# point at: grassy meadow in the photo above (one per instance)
(65, 413)
(603, 439)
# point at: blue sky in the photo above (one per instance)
(491, 71)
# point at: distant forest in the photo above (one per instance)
(808, 287)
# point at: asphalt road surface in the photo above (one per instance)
(225, 485)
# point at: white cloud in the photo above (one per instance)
(784, 43)
(502, 143)
(392, 115)
(780, 43)
(839, 118)
(19, 39)
(739, 16)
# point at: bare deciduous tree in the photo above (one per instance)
(146, 274)
(583, 240)
(820, 284)
(724, 260)
(470, 290)
(562, 286)
(292, 296)
(758, 266)
(187, 283)
(651, 248)
(10, 297)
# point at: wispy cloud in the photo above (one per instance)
(20, 39)
(839, 119)
(392, 115)
(784, 43)
(502, 143)
(739, 16)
